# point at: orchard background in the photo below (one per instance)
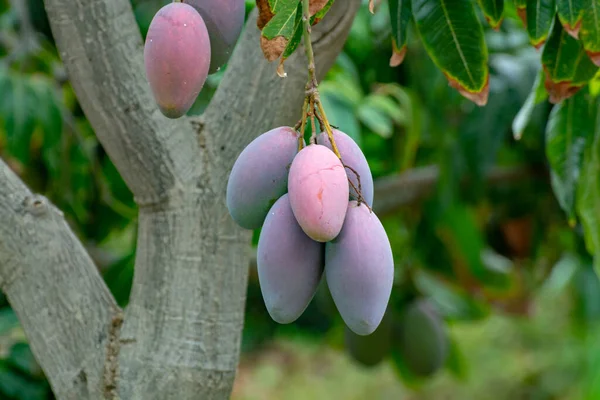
(492, 211)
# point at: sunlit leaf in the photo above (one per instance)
(453, 36)
(566, 135)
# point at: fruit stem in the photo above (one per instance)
(313, 135)
(327, 127)
(312, 77)
(303, 125)
(312, 91)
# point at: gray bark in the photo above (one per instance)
(70, 318)
(179, 338)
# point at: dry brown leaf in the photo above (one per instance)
(480, 98)
(573, 30)
(558, 91)
(273, 48)
(317, 5)
(280, 69)
(372, 6)
(522, 12)
(594, 56)
(397, 56)
(264, 13)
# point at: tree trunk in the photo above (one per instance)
(179, 337)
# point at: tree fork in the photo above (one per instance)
(179, 337)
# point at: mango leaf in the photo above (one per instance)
(493, 10)
(569, 14)
(318, 9)
(281, 24)
(566, 134)
(586, 293)
(458, 230)
(451, 300)
(588, 194)
(20, 120)
(277, 32)
(590, 30)
(537, 95)
(521, 7)
(567, 67)
(540, 14)
(8, 320)
(119, 278)
(400, 16)
(21, 358)
(340, 110)
(456, 363)
(453, 37)
(296, 38)
(14, 385)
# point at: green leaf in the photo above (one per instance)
(569, 14)
(296, 37)
(540, 14)
(119, 278)
(493, 10)
(8, 320)
(537, 95)
(340, 112)
(451, 300)
(588, 193)
(586, 287)
(376, 120)
(400, 16)
(566, 135)
(456, 361)
(465, 243)
(279, 20)
(282, 23)
(590, 30)
(22, 359)
(20, 120)
(567, 67)
(321, 13)
(453, 36)
(14, 385)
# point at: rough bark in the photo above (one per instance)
(70, 318)
(181, 331)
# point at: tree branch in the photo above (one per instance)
(56, 291)
(397, 191)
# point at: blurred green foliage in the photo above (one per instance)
(475, 247)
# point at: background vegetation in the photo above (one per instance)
(479, 232)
